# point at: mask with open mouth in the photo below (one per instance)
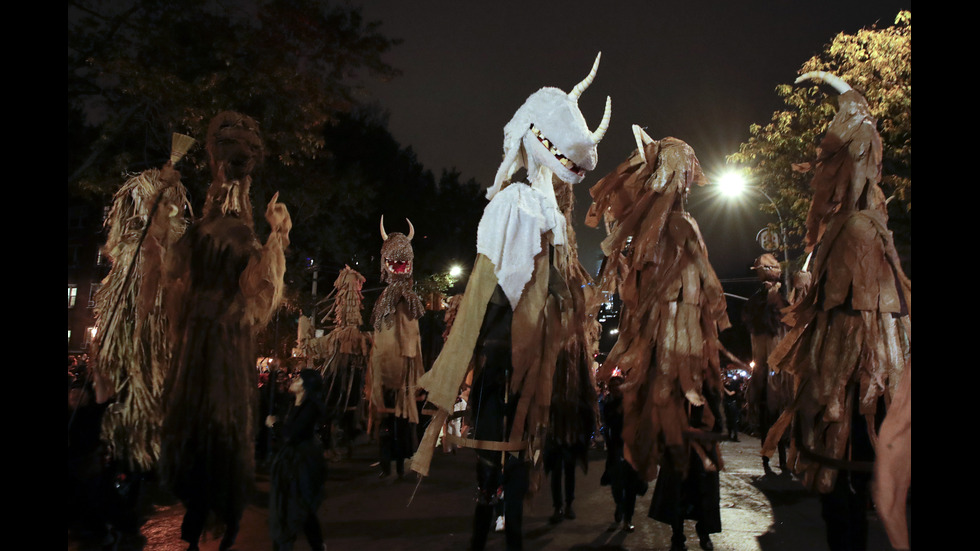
(396, 254)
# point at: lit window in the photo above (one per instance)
(72, 295)
(89, 336)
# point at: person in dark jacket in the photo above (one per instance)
(619, 475)
(688, 486)
(298, 471)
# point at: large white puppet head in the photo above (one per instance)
(554, 135)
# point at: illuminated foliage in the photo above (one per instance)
(877, 63)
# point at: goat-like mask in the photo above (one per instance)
(554, 134)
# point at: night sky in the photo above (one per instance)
(701, 71)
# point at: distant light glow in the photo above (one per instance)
(614, 331)
(455, 271)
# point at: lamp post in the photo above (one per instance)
(732, 184)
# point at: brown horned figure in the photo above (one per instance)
(673, 310)
(850, 337)
(396, 358)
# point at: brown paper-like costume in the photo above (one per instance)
(851, 335)
(673, 304)
(130, 350)
(769, 392)
(396, 357)
(222, 286)
(893, 466)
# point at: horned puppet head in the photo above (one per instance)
(848, 168)
(554, 134)
(397, 254)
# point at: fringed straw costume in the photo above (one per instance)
(130, 350)
(344, 350)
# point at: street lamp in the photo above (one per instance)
(732, 184)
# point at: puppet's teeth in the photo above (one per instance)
(553, 149)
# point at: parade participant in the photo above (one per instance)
(770, 392)
(130, 348)
(893, 466)
(732, 398)
(396, 357)
(573, 396)
(850, 337)
(509, 323)
(673, 304)
(222, 286)
(298, 471)
(619, 475)
(344, 351)
(673, 309)
(688, 486)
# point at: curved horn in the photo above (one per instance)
(642, 139)
(580, 87)
(604, 125)
(823, 76)
(806, 265)
(411, 229)
(384, 235)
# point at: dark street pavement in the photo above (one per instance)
(365, 513)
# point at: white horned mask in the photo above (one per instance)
(554, 134)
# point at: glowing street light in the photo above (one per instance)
(455, 271)
(733, 184)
